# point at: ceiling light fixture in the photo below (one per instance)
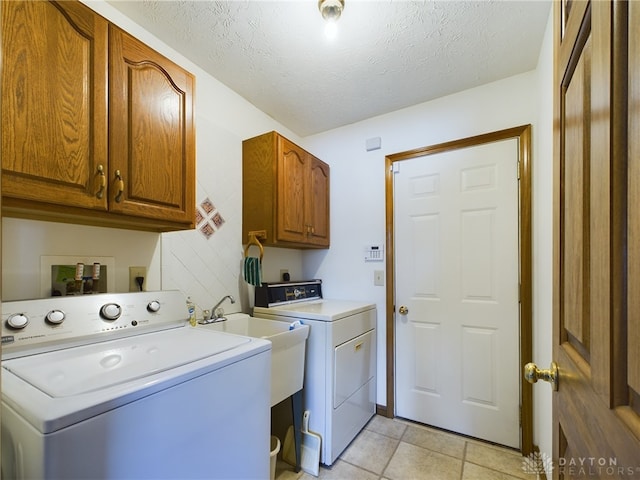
(331, 11)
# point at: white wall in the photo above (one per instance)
(25, 241)
(208, 269)
(543, 240)
(358, 179)
(358, 193)
(204, 269)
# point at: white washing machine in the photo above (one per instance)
(340, 368)
(116, 386)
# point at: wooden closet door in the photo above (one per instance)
(595, 409)
(630, 383)
(54, 103)
(151, 133)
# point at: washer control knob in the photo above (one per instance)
(55, 316)
(111, 311)
(154, 306)
(18, 320)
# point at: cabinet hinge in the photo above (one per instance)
(518, 172)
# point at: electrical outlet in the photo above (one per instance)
(378, 278)
(137, 272)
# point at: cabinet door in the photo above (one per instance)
(151, 143)
(318, 204)
(54, 107)
(293, 170)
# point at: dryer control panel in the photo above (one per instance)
(281, 293)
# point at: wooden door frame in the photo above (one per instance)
(523, 134)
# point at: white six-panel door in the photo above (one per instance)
(456, 259)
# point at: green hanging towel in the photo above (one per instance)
(252, 271)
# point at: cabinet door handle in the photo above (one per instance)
(101, 181)
(119, 186)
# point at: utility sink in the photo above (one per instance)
(287, 349)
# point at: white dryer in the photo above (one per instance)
(119, 386)
(340, 368)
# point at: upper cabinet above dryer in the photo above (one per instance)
(97, 128)
(285, 193)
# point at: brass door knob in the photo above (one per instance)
(532, 374)
(403, 310)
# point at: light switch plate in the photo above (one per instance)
(378, 278)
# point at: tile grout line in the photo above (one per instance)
(399, 439)
(381, 474)
(464, 459)
(487, 467)
(359, 467)
(467, 442)
(391, 456)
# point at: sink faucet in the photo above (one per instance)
(217, 314)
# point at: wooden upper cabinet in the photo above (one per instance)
(97, 128)
(151, 134)
(54, 103)
(292, 192)
(318, 214)
(285, 193)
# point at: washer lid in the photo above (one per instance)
(324, 310)
(89, 368)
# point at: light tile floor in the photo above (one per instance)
(395, 449)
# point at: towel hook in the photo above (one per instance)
(253, 240)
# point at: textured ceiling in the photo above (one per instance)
(387, 55)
